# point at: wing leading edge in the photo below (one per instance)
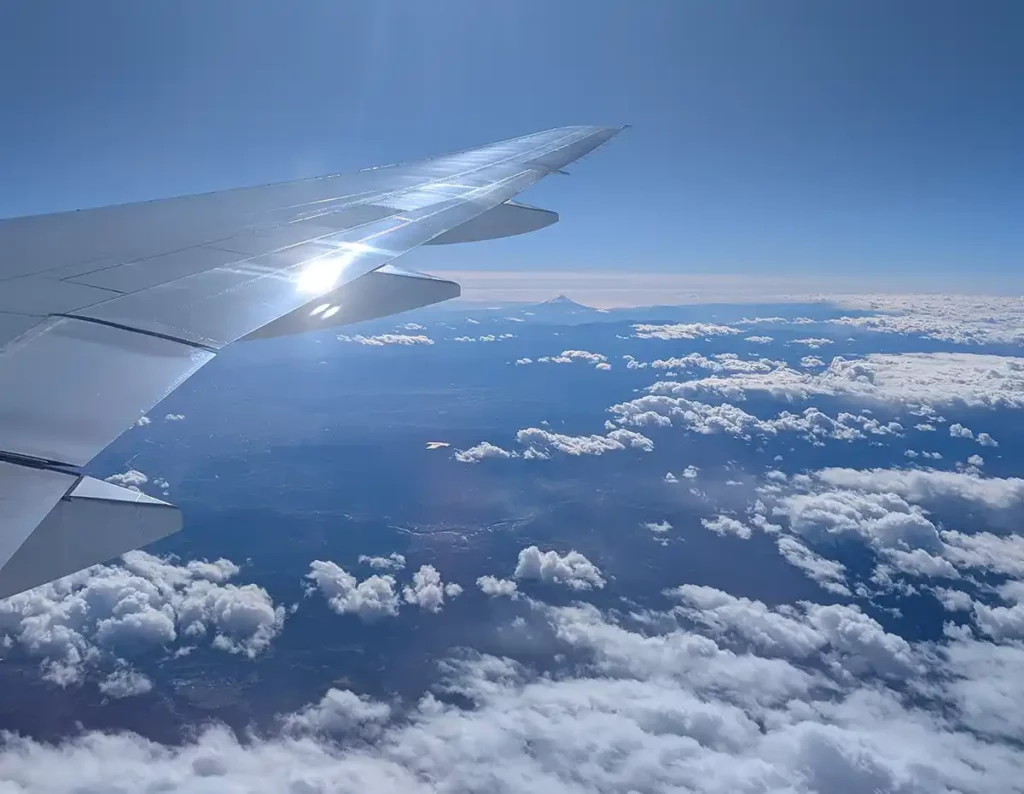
(104, 312)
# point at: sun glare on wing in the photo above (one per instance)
(322, 274)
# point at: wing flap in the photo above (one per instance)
(72, 386)
(380, 293)
(91, 523)
(505, 220)
(27, 495)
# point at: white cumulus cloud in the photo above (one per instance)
(392, 562)
(724, 525)
(482, 451)
(428, 591)
(831, 575)
(370, 600)
(682, 331)
(546, 441)
(99, 617)
(813, 342)
(387, 339)
(571, 569)
(124, 683)
(133, 479)
(495, 587)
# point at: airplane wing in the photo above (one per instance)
(103, 312)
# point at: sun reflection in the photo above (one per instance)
(321, 274)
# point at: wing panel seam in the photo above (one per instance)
(30, 462)
(143, 331)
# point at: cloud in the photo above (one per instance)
(723, 525)
(985, 551)
(494, 587)
(670, 477)
(733, 698)
(370, 600)
(811, 361)
(894, 513)
(545, 441)
(721, 362)
(813, 342)
(125, 683)
(982, 680)
(428, 591)
(632, 363)
(885, 520)
(174, 417)
(572, 569)
(142, 421)
(569, 356)
(682, 331)
(997, 496)
(1004, 623)
(954, 600)
(759, 340)
(660, 409)
(659, 527)
(393, 562)
(133, 478)
(340, 713)
(387, 339)
(960, 319)
(829, 574)
(583, 355)
(97, 618)
(801, 631)
(481, 451)
(411, 327)
(691, 472)
(541, 443)
(959, 431)
(523, 361)
(918, 380)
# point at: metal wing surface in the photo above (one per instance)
(103, 312)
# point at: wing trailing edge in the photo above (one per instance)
(90, 522)
(383, 292)
(505, 220)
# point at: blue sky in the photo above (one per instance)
(867, 141)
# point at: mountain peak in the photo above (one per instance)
(562, 300)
